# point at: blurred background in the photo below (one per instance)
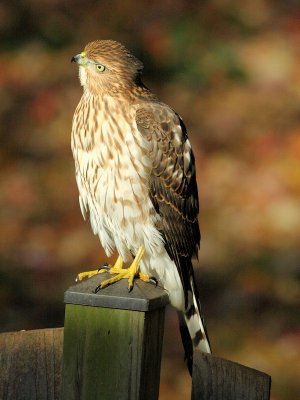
(232, 72)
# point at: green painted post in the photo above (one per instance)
(112, 341)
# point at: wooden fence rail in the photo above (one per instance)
(30, 364)
(111, 350)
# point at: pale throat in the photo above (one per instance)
(82, 76)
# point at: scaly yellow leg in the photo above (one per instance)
(86, 274)
(112, 269)
(128, 273)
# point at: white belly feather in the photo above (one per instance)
(112, 174)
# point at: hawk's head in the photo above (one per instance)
(107, 66)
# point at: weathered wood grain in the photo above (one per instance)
(30, 364)
(217, 379)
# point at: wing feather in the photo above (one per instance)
(172, 187)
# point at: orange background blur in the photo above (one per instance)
(232, 72)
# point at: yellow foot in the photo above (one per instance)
(126, 273)
(144, 277)
(112, 269)
(86, 274)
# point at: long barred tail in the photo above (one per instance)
(192, 328)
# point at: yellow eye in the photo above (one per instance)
(100, 67)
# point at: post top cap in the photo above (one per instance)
(143, 297)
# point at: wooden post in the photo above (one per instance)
(30, 364)
(217, 379)
(112, 341)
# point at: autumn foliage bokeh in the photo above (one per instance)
(232, 71)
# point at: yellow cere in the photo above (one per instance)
(82, 54)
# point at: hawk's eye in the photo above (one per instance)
(100, 67)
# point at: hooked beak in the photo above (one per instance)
(75, 58)
(80, 59)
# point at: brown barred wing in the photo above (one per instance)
(173, 186)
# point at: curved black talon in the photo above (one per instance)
(97, 288)
(104, 266)
(130, 288)
(153, 280)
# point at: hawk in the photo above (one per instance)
(135, 172)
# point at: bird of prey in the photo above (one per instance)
(135, 172)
